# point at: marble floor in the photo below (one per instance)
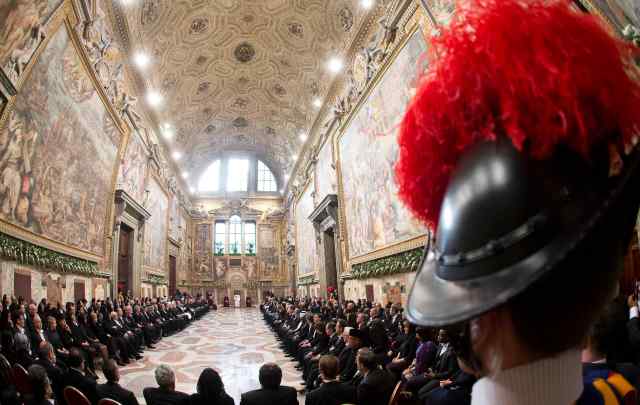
(233, 341)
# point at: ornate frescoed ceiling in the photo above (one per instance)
(240, 75)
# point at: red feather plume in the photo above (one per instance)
(534, 71)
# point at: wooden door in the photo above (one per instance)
(172, 276)
(78, 290)
(22, 286)
(124, 259)
(369, 292)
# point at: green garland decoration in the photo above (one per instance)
(155, 279)
(404, 262)
(29, 254)
(306, 280)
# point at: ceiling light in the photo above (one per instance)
(176, 155)
(141, 59)
(294, 157)
(185, 175)
(154, 98)
(302, 136)
(167, 131)
(366, 4)
(286, 177)
(335, 65)
(317, 102)
(193, 190)
(282, 191)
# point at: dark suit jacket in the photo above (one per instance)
(446, 364)
(332, 393)
(376, 388)
(117, 393)
(56, 375)
(282, 396)
(158, 396)
(83, 383)
(197, 399)
(347, 364)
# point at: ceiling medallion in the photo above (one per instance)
(150, 12)
(169, 82)
(240, 122)
(240, 103)
(296, 29)
(203, 87)
(244, 52)
(346, 18)
(279, 90)
(199, 26)
(201, 60)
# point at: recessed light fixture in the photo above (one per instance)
(294, 157)
(141, 59)
(154, 98)
(176, 155)
(193, 190)
(302, 136)
(167, 131)
(335, 64)
(366, 4)
(317, 102)
(185, 175)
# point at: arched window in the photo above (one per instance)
(266, 179)
(235, 235)
(237, 174)
(250, 238)
(210, 179)
(219, 238)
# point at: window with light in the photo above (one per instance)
(237, 174)
(210, 179)
(250, 238)
(235, 235)
(266, 179)
(220, 232)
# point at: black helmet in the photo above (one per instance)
(506, 220)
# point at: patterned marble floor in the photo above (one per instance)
(233, 341)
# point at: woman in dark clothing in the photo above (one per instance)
(406, 351)
(210, 390)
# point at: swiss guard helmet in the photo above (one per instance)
(519, 147)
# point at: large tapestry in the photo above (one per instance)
(21, 32)
(620, 13)
(326, 179)
(268, 252)
(305, 234)
(202, 250)
(59, 152)
(175, 219)
(131, 176)
(375, 216)
(155, 229)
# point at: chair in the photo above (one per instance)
(21, 380)
(73, 396)
(108, 401)
(395, 396)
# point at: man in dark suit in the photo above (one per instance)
(446, 365)
(76, 378)
(331, 392)
(111, 389)
(55, 371)
(166, 393)
(377, 384)
(271, 392)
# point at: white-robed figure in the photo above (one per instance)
(236, 300)
(520, 150)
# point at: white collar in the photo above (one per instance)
(550, 381)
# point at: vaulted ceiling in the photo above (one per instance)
(240, 75)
